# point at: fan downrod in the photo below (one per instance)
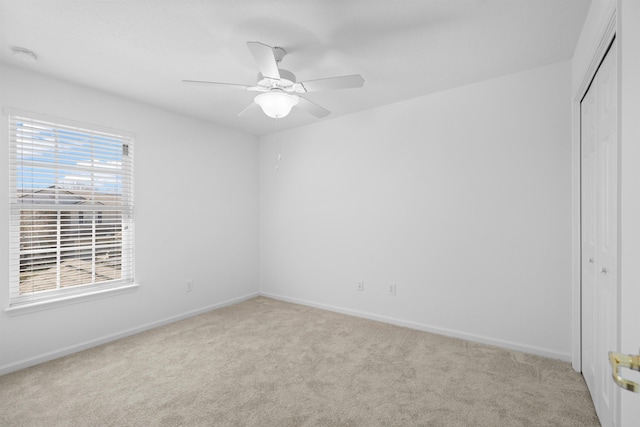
(279, 53)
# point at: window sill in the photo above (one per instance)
(59, 302)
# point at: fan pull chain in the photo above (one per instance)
(278, 152)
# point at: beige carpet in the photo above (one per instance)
(269, 363)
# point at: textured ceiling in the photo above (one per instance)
(142, 49)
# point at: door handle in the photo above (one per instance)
(603, 270)
(617, 361)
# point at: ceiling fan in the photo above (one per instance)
(278, 87)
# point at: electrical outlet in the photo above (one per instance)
(360, 285)
(392, 289)
(189, 286)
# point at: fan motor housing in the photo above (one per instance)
(287, 79)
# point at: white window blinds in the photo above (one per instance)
(71, 227)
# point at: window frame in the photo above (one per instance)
(93, 209)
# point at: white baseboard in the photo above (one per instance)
(394, 321)
(551, 354)
(112, 337)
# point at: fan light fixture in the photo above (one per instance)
(276, 103)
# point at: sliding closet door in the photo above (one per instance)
(599, 145)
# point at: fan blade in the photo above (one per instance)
(251, 109)
(265, 60)
(331, 83)
(204, 83)
(312, 108)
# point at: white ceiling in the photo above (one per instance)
(142, 49)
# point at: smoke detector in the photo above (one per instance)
(24, 55)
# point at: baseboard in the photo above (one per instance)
(366, 315)
(122, 334)
(551, 354)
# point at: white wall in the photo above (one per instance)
(461, 198)
(196, 204)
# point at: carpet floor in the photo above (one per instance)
(269, 363)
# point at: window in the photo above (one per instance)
(71, 210)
